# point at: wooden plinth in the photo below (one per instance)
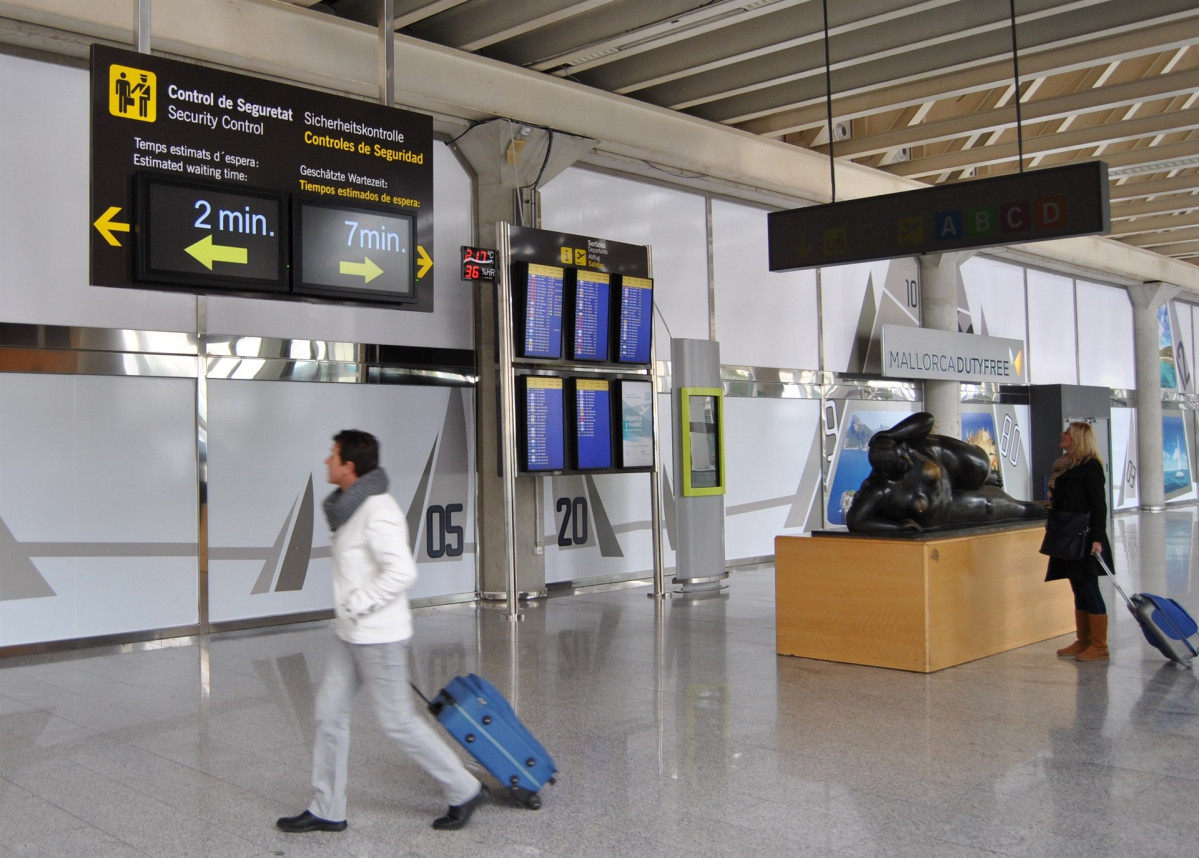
(915, 605)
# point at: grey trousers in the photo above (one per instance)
(383, 669)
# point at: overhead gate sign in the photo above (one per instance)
(1056, 202)
(200, 179)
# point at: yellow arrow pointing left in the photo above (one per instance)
(423, 261)
(107, 226)
(367, 270)
(207, 253)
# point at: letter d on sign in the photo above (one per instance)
(1050, 212)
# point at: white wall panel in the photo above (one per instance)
(448, 326)
(1122, 469)
(267, 440)
(673, 223)
(44, 217)
(766, 448)
(763, 318)
(98, 506)
(596, 526)
(856, 301)
(1106, 356)
(1051, 334)
(995, 294)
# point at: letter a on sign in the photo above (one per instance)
(949, 226)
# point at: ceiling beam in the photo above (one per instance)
(1048, 144)
(1151, 224)
(1059, 107)
(1164, 205)
(954, 83)
(1161, 239)
(1153, 187)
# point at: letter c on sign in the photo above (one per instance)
(1015, 217)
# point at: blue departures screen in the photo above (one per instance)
(636, 319)
(591, 308)
(593, 423)
(543, 312)
(545, 443)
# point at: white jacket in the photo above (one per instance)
(372, 571)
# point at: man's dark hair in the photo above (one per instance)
(358, 447)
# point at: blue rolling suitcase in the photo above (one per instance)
(1165, 623)
(483, 722)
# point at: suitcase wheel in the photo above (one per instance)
(528, 798)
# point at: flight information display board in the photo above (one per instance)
(590, 307)
(542, 433)
(194, 232)
(592, 423)
(353, 252)
(634, 330)
(538, 307)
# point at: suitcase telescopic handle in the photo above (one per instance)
(1112, 575)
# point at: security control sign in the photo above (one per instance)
(1057, 202)
(197, 176)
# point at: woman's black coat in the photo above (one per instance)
(1083, 488)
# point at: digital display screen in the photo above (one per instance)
(636, 320)
(193, 233)
(590, 308)
(593, 423)
(539, 310)
(544, 445)
(703, 426)
(636, 424)
(361, 252)
(478, 263)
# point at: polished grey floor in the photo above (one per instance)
(677, 730)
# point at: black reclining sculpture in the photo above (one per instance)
(920, 481)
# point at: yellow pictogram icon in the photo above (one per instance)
(107, 226)
(206, 253)
(132, 93)
(367, 270)
(423, 262)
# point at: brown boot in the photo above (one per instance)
(1082, 622)
(1098, 648)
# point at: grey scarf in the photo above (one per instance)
(340, 505)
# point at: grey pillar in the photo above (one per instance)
(1146, 299)
(939, 312)
(508, 158)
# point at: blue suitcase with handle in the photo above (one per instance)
(1166, 624)
(483, 722)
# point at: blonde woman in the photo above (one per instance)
(1078, 484)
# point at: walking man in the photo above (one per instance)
(373, 568)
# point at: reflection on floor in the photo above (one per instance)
(677, 729)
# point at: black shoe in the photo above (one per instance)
(307, 822)
(459, 814)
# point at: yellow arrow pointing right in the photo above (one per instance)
(107, 226)
(423, 261)
(207, 253)
(366, 269)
